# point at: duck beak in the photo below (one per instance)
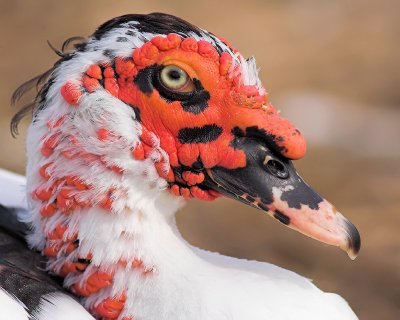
(270, 182)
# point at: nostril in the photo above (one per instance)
(277, 168)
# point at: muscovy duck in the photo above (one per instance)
(148, 112)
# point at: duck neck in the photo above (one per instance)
(117, 259)
(103, 218)
(140, 254)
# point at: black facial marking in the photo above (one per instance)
(130, 33)
(198, 165)
(144, 78)
(194, 102)
(156, 22)
(236, 131)
(301, 195)
(178, 171)
(281, 217)
(205, 134)
(198, 102)
(122, 39)
(257, 133)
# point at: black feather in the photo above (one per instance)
(155, 22)
(22, 272)
(9, 221)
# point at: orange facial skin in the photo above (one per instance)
(228, 107)
(201, 133)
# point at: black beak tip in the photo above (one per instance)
(354, 240)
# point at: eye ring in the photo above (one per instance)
(176, 79)
(277, 168)
(184, 93)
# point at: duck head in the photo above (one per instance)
(201, 118)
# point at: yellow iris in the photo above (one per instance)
(176, 79)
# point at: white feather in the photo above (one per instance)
(12, 188)
(60, 307)
(11, 308)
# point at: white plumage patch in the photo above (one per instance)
(60, 307)
(11, 308)
(12, 188)
(249, 73)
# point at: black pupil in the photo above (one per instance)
(277, 168)
(174, 74)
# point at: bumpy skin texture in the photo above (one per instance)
(191, 131)
(195, 134)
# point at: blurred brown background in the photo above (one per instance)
(332, 67)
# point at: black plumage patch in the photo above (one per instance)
(122, 39)
(10, 222)
(22, 271)
(109, 53)
(156, 22)
(204, 134)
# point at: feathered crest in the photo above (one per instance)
(41, 83)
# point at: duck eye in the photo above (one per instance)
(176, 79)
